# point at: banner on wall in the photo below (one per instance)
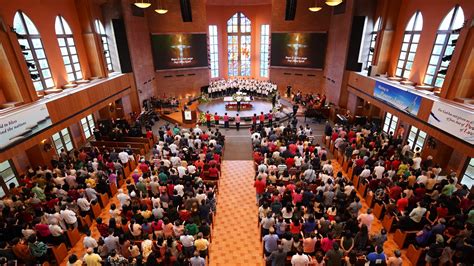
(455, 121)
(19, 125)
(173, 51)
(399, 98)
(298, 49)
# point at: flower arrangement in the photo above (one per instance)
(204, 98)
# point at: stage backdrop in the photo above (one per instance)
(304, 50)
(171, 51)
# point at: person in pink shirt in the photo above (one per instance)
(226, 121)
(237, 122)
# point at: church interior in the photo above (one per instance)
(236, 132)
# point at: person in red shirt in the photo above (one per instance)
(254, 121)
(199, 164)
(261, 118)
(270, 118)
(149, 134)
(259, 188)
(395, 164)
(402, 203)
(290, 161)
(395, 192)
(442, 211)
(216, 119)
(213, 173)
(208, 119)
(144, 167)
(204, 136)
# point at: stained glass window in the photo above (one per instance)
(238, 45)
(33, 51)
(411, 38)
(443, 48)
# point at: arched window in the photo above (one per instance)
(238, 41)
(99, 27)
(443, 49)
(373, 41)
(68, 49)
(32, 47)
(411, 38)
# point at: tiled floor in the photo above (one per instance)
(235, 239)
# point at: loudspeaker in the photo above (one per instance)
(352, 63)
(290, 12)
(186, 13)
(122, 45)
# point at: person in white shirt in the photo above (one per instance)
(422, 179)
(300, 259)
(89, 241)
(378, 170)
(84, 205)
(91, 193)
(416, 161)
(365, 173)
(69, 217)
(123, 156)
(123, 198)
(180, 189)
(366, 219)
(406, 149)
(328, 167)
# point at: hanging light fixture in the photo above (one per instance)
(142, 4)
(315, 7)
(161, 9)
(333, 2)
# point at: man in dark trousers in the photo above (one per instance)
(277, 257)
(295, 109)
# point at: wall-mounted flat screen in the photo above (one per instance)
(172, 51)
(298, 49)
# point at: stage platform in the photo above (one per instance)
(218, 105)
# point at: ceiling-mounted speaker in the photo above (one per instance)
(290, 12)
(186, 13)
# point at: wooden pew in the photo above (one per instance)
(85, 222)
(362, 189)
(379, 211)
(400, 237)
(369, 199)
(142, 147)
(113, 189)
(331, 147)
(340, 158)
(73, 236)
(387, 223)
(59, 253)
(96, 210)
(350, 173)
(355, 180)
(413, 254)
(104, 200)
(345, 166)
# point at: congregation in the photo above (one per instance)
(310, 211)
(164, 211)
